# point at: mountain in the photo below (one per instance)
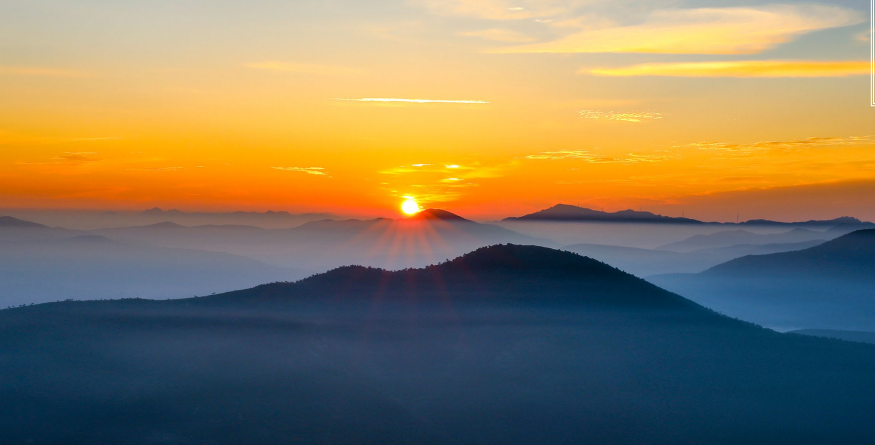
(564, 212)
(646, 262)
(88, 267)
(8, 221)
(508, 344)
(857, 336)
(430, 236)
(437, 214)
(844, 220)
(268, 219)
(827, 286)
(741, 237)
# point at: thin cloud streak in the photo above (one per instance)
(414, 101)
(584, 155)
(743, 68)
(636, 116)
(316, 171)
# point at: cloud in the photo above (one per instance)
(157, 169)
(584, 155)
(813, 142)
(499, 35)
(742, 68)
(79, 157)
(414, 101)
(636, 116)
(741, 30)
(497, 9)
(316, 171)
(40, 72)
(304, 68)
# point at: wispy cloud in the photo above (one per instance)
(497, 9)
(414, 101)
(157, 169)
(636, 116)
(40, 72)
(741, 30)
(499, 35)
(78, 157)
(813, 142)
(587, 156)
(304, 68)
(316, 171)
(741, 68)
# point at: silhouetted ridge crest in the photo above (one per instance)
(438, 214)
(8, 221)
(495, 273)
(848, 257)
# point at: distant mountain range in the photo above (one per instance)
(508, 344)
(564, 212)
(743, 237)
(89, 267)
(831, 285)
(569, 213)
(427, 237)
(646, 262)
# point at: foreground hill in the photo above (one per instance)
(831, 285)
(508, 344)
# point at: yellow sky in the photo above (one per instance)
(483, 107)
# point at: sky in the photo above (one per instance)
(487, 108)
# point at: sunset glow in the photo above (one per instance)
(486, 108)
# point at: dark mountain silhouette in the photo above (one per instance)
(508, 344)
(844, 220)
(857, 336)
(8, 221)
(740, 237)
(827, 286)
(568, 213)
(437, 214)
(564, 212)
(499, 272)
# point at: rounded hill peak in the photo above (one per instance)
(437, 214)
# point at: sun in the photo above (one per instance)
(410, 206)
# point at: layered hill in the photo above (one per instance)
(430, 236)
(831, 285)
(507, 344)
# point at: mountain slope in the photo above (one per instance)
(8, 221)
(646, 262)
(827, 286)
(738, 237)
(509, 344)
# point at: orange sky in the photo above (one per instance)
(500, 109)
